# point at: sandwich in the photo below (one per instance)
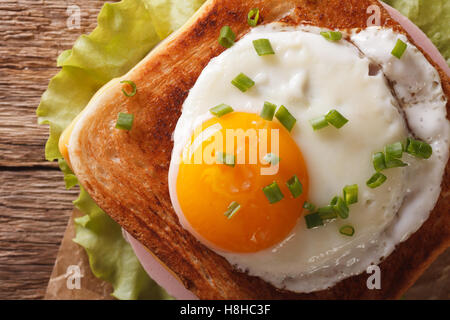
(276, 150)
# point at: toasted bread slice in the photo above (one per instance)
(126, 173)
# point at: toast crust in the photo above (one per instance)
(126, 173)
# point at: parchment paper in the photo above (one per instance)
(71, 254)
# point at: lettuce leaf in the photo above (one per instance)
(432, 16)
(170, 15)
(126, 32)
(124, 35)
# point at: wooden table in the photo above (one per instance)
(34, 205)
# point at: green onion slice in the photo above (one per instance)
(273, 193)
(418, 148)
(399, 49)
(253, 17)
(268, 111)
(133, 87)
(232, 209)
(347, 230)
(242, 82)
(124, 121)
(379, 162)
(319, 123)
(393, 151)
(295, 186)
(327, 213)
(221, 110)
(332, 35)
(227, 159)
(351, 194)
(341, 208)
(376, 180)
(326, 209)
(334, 200)
(313, 220)
(227, 37)
(285, 118)
(336, 119)
(271, 158)
(263, 47)
(395, 163)
(309, 206)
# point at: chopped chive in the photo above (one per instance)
(268, 111)
(221, 110)
(232, 209)
(308, 206)
(347, 230)
(319, 123)
(326, 209)
(334, 201)
(286, 119)
(351, 194)
(395, 163)
(341, 208)
(253, 17)
(263, 47)
(313, 220)
(379, 162)
(133, 87)
(242, 82)
(273, 192)
(376, 180)
(227, 37)
(295, 186)
(399, 49)
(227, 159)
(393, 151)
(327, 213)
(332, 35)
(124, 121)
(336, 119)
(271, 158)
(418, 148)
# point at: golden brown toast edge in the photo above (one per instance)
(134, 191)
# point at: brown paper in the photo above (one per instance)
(72, 254)
(434, 283)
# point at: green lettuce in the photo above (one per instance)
(432, 16)
(126, 32)
(170, 15)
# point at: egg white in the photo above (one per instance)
(310, 76)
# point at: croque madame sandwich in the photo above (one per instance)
(276, 150)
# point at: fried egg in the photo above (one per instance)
(309, 76)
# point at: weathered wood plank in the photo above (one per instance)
(34, 210)
(34, 205)
(32, 34)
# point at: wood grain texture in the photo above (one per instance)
(32, 34)
(34, 205)
(33, 217)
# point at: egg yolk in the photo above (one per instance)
(206, 187)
